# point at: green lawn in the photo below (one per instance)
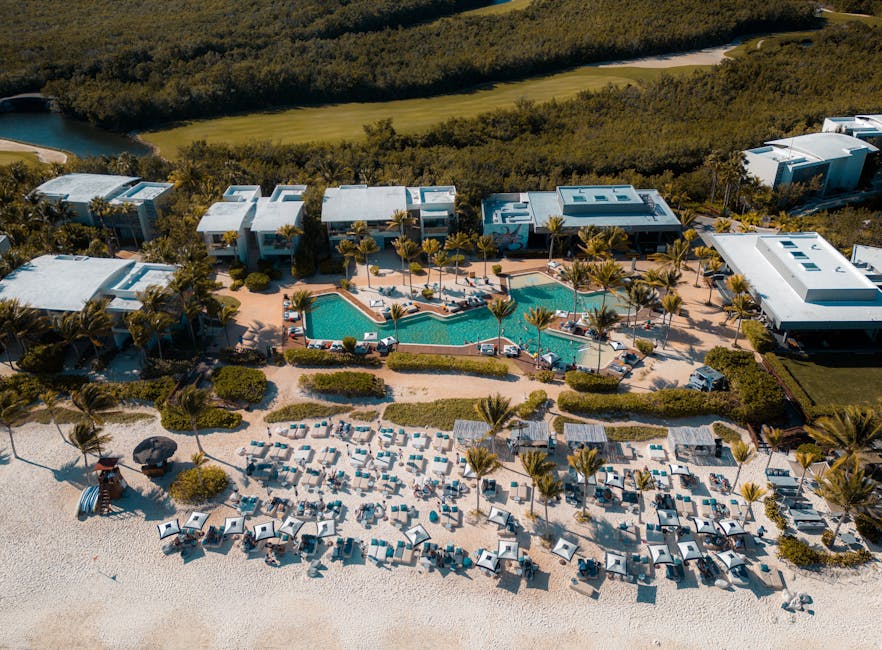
(344, 121)
(830, 380)
(498, 9)
(9, 157)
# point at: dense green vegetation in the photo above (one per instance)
(198, 484)
(587, 382)
(238, 383)
(212, 418)
(345, 382)
(725, 432)
(303, 411)
(626, 433)
(307, 357)
(532, 404)
(440, 414)
(758, 335)
(802, 555)
(407, 362)
(105, 66)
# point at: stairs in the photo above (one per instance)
(104, 500)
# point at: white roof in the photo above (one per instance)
(867, 259)
(690, 436)
(362, 203)
(143, 191)
(574, 432)
(269, 216)
(823, 146)
(470, 429)
(82, 188)
(225, 216)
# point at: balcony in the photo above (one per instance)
(430, 231)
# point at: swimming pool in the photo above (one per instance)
(334, 317)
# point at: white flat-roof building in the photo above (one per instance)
(147, 201)
(432, 208)
(283, 207)
(511, 217)
(868, 260)
(864, 127)
(837, 159)
(801, 282)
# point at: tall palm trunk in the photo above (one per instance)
(196, 435)
(532, 496)
(11, 440)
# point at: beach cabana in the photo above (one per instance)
(196, 521)
(704, 526)
(549, 360)
(668, 518)
(689, 550)
(234, 525)
(370, 337)
(168, 528)
(731, 559)
(730, 527)
(499, 516)
(690, 441)
(585, 435)
(508, 550)
(678, 469)
(266, 530)
(616, 563)
(614, 480)
(325, 528)
(531, 434)
(564, 549)
(660, 554)
(417, 535)
(488, 561)
(291, 526)
(469, 431)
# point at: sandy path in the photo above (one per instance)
(708, 56)
(45, 155)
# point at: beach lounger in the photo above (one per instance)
(415, 463)
(281, 451)
(419, 441)
(303, 454)
(328, 456)
(384, 460)
(443, 442)
(362, 435)
(258, 449)
(359, 457)
(440, 465)
(770, 578)
(400, 438)
(685, 506)
(320, 429)
(248, 505)
(523, 492)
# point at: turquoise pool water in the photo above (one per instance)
(334, 317)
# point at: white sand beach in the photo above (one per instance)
(43, 154)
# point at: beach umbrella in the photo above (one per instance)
(417, 535)
(564, 549)
(731, 559)
(169, 528)
(614, 480)
(616, 563)
(234, 525)
(291, 526)
(325, 528)
(689, 550)
(196, 521)
(660, 554)
(266, 530)
(668, 518)
(154, 450)
(488, 561)
(508, 550)
(679, 470)
(499, 516)
(704, 526)
(730, 527)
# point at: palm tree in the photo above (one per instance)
(231, 240)
(645, 482)
(396, 313)
(496, 411)
(602, 321)
(199, 459)
(397, 244)
(751, 492)
(88, 439)
(139, 329)
(850, 490)
(367, 247)
(458, 243)
(408, 250)
(743, 454)
(805, 459)
(483, 463)
(595, 247)
(687, 217)
(227, 315)
(742, 306)
(587, 462)
(738, 284)
(608, 276)
(554, 227)
(441, 260)
(578, 274)
(671, 303)
(70, 330)
(159, 323)
(536, 464)
(666, 279)
(638, 295)
(288, 233)
(303, 302)
(723, 225)
(359, 230)
(12, 407)
(550, 487)
(400, 221)
(674, 255)
(486, 245)
(430, 248)
(855, 431)
(774, 439)
(93, 401)
(501, 308)
(192, 402)
(713, 265)
(50, 399)
(540, 318)
(703, 253)
(348, 250)
(95, 322)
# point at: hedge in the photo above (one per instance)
(257, 281)
(304, 411)
(440, 414)
(242, 357)
(773, 512)
(366, 415)
(528, 409)
(238, 383)
(758, 335)
(587, 382)
(802, 555)
(545, 376)
(666, 403)
(43, 359)
(29, 386)
(155, 368)
(761, 398)
(727, 433)
(407, 362)
(211, 418)
(306, 357)
(154, 391)
(198, 484)
(347, 382)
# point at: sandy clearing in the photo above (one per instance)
(707, 56)
(45, 155)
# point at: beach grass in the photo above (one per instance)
(492, 10)
(366, 415)
(440, 414)
(833, 380)
(9, 157)
(304, 411)
(72, 416)
(624, 433)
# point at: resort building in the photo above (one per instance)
(57, 284)
(864, 127)
(256, 221)
(801, 282)
(868, 260)
(432, 209)
(512, 218)
(77, 191)
(835, 159)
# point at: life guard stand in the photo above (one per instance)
(110, 482)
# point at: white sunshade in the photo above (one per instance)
(704, 525)
(660, 554)
(417, 535)
(168, 529)
(196, 521)
(668, 518)
(370, 336)
(689, 550)
(291, 526)
(508, 550)
(679, 470)
(730, 527)
(731, 559)
(564, 549)
(614, 480)
(488, 561)
(325, 528)
(616, 563)
(389, 340)
(263, 531)
(234, 525)
(499, 516)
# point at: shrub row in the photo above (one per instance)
(29, 387)
(544, 376)
(407, 362)
(198, 484)
(306, 357)
(760, 398)
(238, 383)
(242, 357)
(773, 512)
(304, 411)
(366, 415)
(638, 433)
(347, 382)
(536, 399)
(155, 368)
(43, 359)
(666, 403)
(802, 555)
(211, 418)
(758, 335)
(154, 391)
(727, 433)
(257, 281)
(587, 382)
(440, 414)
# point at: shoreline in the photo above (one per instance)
(44, 154)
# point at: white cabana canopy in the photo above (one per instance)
(417, 535)
(291, 526)
(325, 528)
(704, 525)
(370, 336)
(498, 516)
(689, 550)
(614, 480)
(196, 521)
(565, 549)
(168, 528)
(234, 525)
(616, 563)
(730, 527)
(668, 518)
(678, 469)
(550, 358)
(731, 559)
(389, 341)
(660, 554)
(266, 530)
(508, 550)
(469, 430)
(488, 561)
